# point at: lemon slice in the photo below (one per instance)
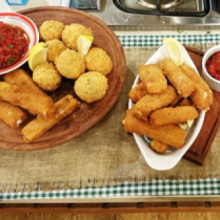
(84, 43)
(175, 50)
(37, 55)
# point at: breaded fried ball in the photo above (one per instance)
(70, 64)
(51, 29)
(98, 60)
(46, 76)
(71, 33)
(91, 86)
(55, 47)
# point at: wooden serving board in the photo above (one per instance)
(88, 114)
(203, 142)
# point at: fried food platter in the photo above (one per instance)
(169, 159)
(87, 115)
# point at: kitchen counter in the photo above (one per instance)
(195, 183)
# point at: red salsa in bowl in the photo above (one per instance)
(18, 34)
(213, 65)
(14, 44)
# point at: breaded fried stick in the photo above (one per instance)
(11, 115)
(151, 102)
(170, 115)
(202, 96)
(136, 93)
(153, 78)
(33, 102)
(37, 127)
(170, 134)
(158, 146)
(23, 80)
(183, 84)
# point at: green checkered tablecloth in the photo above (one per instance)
(156, 40)
(157, 187)
(151, 188)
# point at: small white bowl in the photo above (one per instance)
(28, 26)
(212, 82)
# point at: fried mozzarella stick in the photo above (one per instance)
(153, 78)
(37, 127)
(170, 134)
(11, 115)
(136, 93)
(202, 96)
(170, 115)
(158, 146)
(23, 80)
(177, 78)
(151, 102)
(33, 102)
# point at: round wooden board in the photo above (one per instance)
(88, 114)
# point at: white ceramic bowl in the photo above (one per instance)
(212, 82)
(28, 26)
(168, 160)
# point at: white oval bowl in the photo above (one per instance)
(170, 159)
(28, 26)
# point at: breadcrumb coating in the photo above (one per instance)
(98, 60)
(71, 33)
(70, 64)
(51, 29)
(91, 86)
(47, 77)
(55, 47)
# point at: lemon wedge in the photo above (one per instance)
(84, 43)
(175, 50)
(37, 55)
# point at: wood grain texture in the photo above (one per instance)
(203, 142)
(208, 215)
(88, 114)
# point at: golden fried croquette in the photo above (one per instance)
(98, 60)
(153, 78)
(70, 64)
(46, 76)
(71, 33)
(170, 115)
(183, 84)
(55, 47)
(51, 29)
(91, 86)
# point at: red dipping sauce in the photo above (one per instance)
(14, 44)
(213, 65)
